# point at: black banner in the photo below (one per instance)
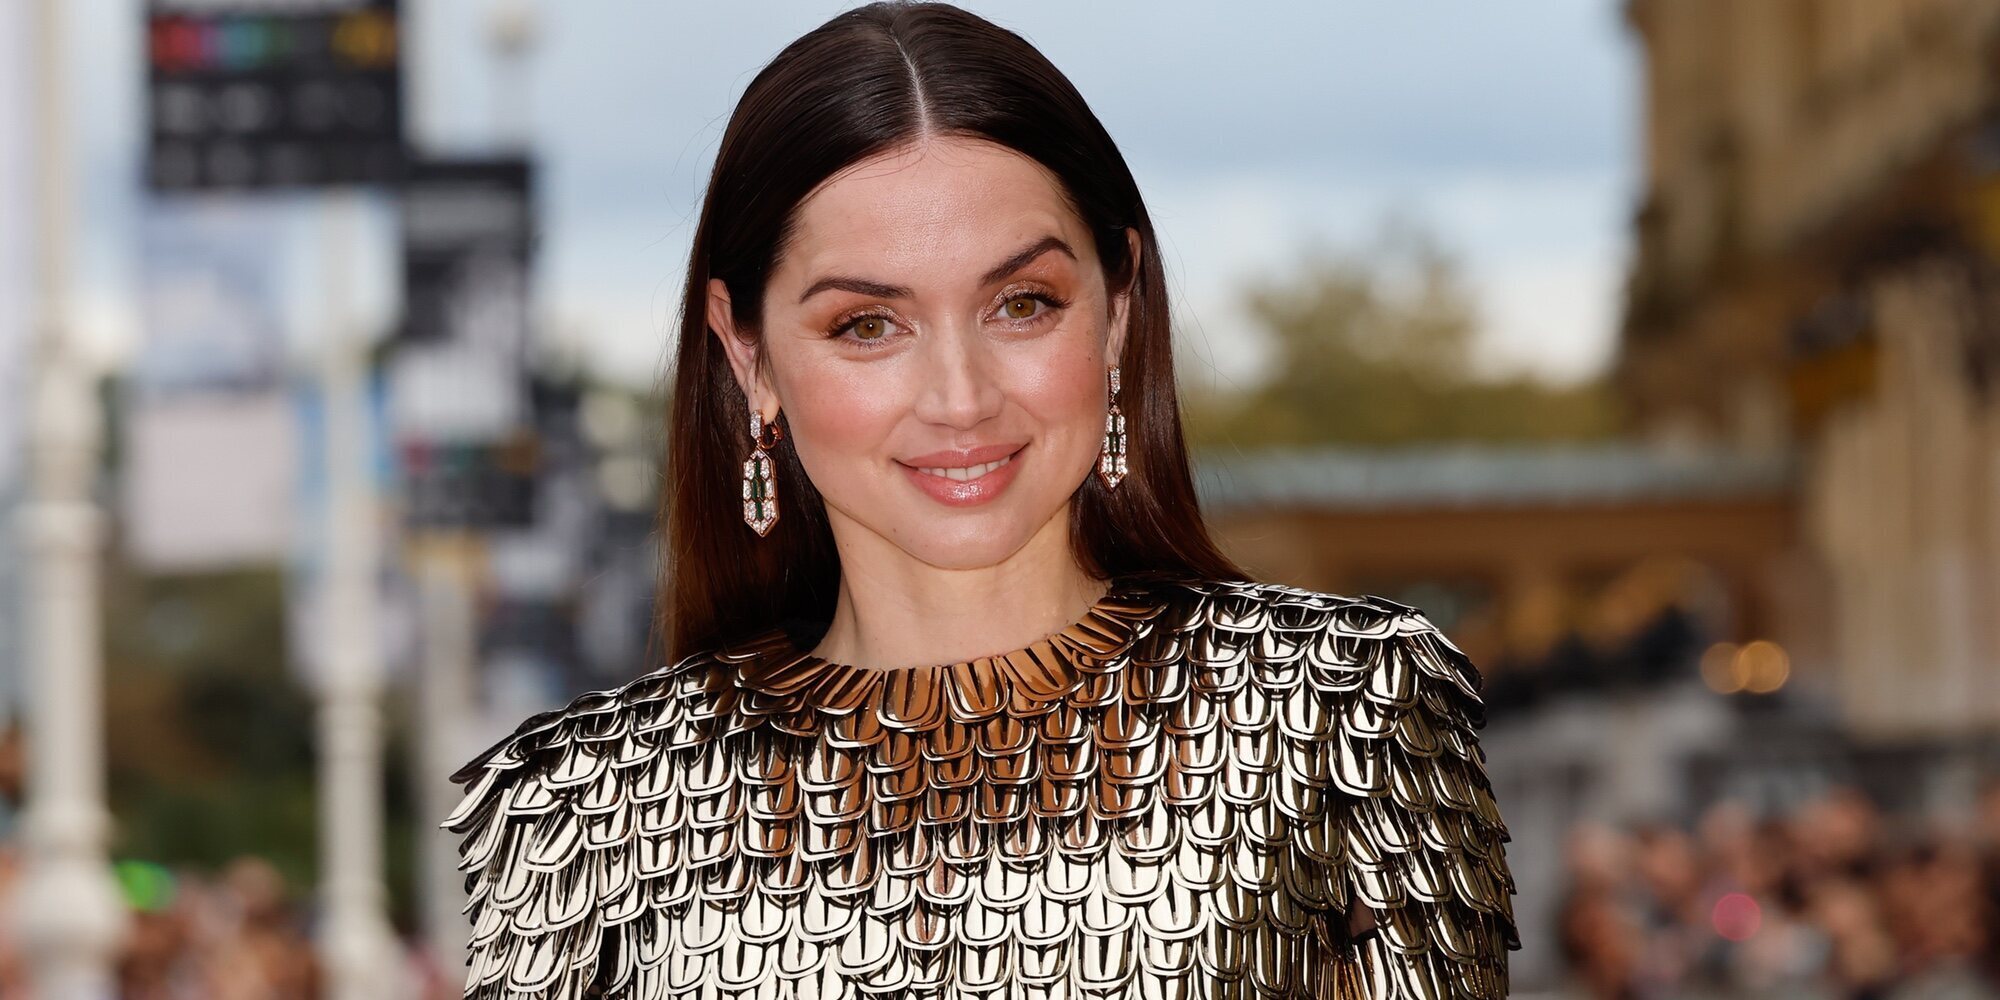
(468, 239)
(277, 94)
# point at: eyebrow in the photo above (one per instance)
(862, 286)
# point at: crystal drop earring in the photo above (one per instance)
(1111, 461)
(760, 475)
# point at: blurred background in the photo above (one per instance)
(1650, 346)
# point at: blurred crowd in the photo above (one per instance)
(1832, 900)
(233, 935)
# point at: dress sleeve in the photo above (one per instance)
(557, 819)
(1411, 843)
(530, 896)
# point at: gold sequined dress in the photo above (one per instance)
(1199, 789)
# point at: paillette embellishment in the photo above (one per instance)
(1200, 789)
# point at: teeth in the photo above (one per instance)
(963, 472)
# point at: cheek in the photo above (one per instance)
(1065, 390)
(836, 409)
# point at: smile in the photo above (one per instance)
(964, 472)
(965, 485)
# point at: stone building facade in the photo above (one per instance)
(1817, 271)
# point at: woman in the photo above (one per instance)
(961, 699)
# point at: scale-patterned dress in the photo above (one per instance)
(1199, 789)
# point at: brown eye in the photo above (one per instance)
(1020, 307)
(870, 328)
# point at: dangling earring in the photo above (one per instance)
(1111, 462)
(760, 476)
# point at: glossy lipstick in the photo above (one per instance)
(973, 488)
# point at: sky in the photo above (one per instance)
(1253, 128)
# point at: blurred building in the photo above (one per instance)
(1815, 274)
(1587, 582)
(1518, 550)
(1782, 583)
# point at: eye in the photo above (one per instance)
(1022, 305)
(866, 328)
(869, 328)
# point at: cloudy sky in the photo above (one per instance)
(1253, 127)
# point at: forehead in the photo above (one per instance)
(939, 206)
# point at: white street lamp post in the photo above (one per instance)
(69, 916)
(362, 958)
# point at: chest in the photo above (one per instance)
(1108, 852)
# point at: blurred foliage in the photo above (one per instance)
(1372, 346)
(210, 746)
(210, 739)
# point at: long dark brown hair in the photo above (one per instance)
(868, 81)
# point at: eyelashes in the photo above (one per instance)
(842, 326)
(848, 321)
(1050, 299)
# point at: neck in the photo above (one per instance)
(894, 611)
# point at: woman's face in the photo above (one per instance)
(937, 337)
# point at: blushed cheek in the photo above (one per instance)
(1088, 381)
(1065, 389)
(840, 417)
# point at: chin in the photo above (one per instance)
(954, 538)
(971, 546)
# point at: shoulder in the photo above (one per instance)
(1368, 612)
(548, 819)
(1354, 632)
(1375, 703)
(1364, 716)
(658, 700)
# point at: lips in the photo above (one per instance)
(963, 477)
(962, 457)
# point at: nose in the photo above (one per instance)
(959, 389)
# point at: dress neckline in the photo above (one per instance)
(775, 677)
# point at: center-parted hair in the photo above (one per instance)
(871, 80)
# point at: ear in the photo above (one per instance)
(742, 352)
(1121, 303)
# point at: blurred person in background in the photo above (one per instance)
(1598, 930)
(1986, 837)
(1670, 873)
(13, 970)
(257, 946)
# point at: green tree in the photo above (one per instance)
(1372, 346)
(210, 742)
